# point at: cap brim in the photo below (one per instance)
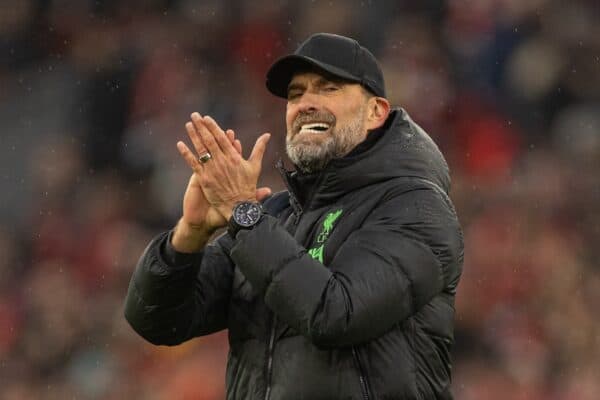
(281, 72)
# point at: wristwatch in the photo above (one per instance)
(244, 215)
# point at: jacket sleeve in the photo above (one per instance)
(173, 297)
(405, 253)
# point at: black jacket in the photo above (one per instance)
(346, 291)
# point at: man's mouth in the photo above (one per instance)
(314, 127)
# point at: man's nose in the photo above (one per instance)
(307, 103)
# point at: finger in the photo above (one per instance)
(195, 138)
(259, 149)
(219, 136)
(262, 193)
(230, 135)
(188, 156)
(207, 138)
(236, 143)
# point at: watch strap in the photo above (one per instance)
(233, 228)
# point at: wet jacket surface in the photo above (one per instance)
(345, 291)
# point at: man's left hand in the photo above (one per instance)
(227, 178)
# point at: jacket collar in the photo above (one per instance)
(399, 148)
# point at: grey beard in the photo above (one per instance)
(311, 157)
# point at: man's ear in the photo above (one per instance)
(378, 111)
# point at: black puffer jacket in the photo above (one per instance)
(346, 292)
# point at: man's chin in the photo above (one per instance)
(309, 158)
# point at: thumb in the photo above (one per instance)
(262, 193)
(259, 149)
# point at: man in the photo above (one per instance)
(341, 287)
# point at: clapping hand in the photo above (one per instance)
(221, 178)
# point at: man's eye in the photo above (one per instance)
(331, 88)
(292, 95)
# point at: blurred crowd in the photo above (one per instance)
(95, 94)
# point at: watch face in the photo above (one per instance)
(247, 214)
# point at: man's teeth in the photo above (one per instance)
(318, 127)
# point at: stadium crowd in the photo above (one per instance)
(94, 96)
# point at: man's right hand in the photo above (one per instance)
(200, 220)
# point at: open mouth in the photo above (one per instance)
(315, 127)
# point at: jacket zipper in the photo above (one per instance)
(270, 348)
(271, 344)
(362, 376)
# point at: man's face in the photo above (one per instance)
(325, 120)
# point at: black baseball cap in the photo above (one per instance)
(337, 55)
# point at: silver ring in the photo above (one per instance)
(203, 158)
